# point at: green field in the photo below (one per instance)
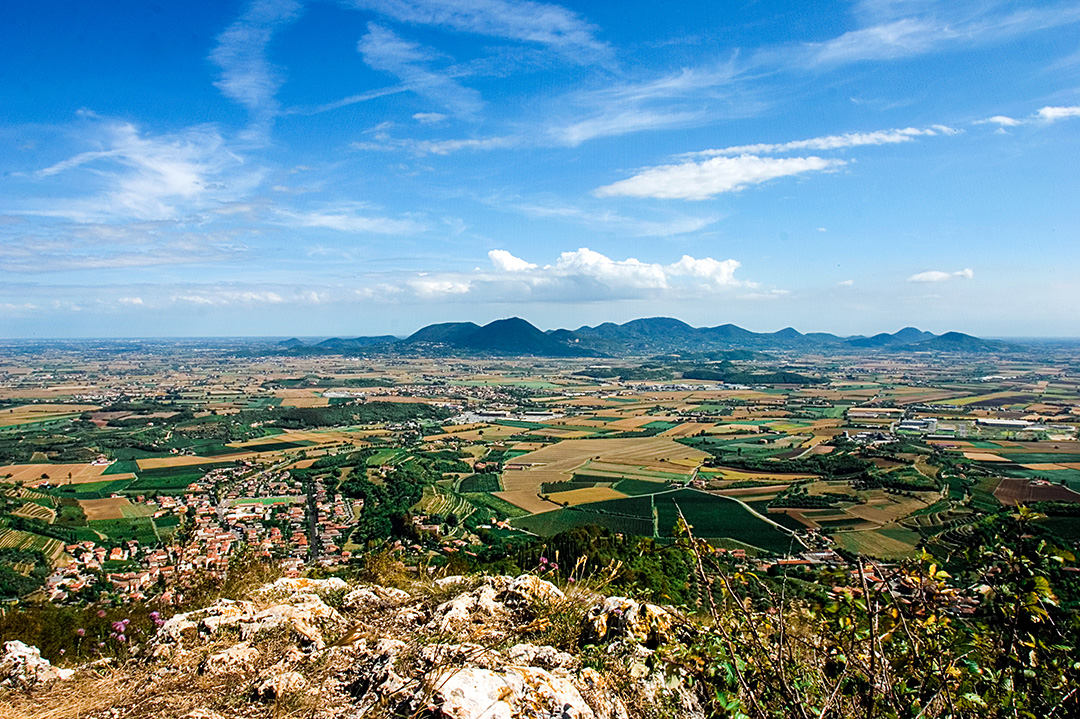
(713, 516)
(92, 490)
(495, 505)
(1040, 457)
(481, 483)
(636, 487)
(560, 520)
(386, 456)
(709, 515)
(1069, 477)
(123, 466)
(140, 529)
(1068, 528)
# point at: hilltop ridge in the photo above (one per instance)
(515, 336)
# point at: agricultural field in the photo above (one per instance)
(595, 459)
(553, 443)
(709, 516)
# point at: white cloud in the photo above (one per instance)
(429, 118)
(613, 222)
(347, 220)
(1053, 114)
(831, 142)
(580, 275)
(621, 122)
(220, 298)
(522, 20)
(435, 287)
(719, 273)
(408, 61)
(628, 273)
(161, 177)
(939, 276)
(384, 143)
(506, 262)
(702, 180)
(1045, 115)
(905, 29)
(135, 301)
(1000, 120)
(845, 283)
(241, 52)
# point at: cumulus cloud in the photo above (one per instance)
(506, 262)
(1045, 115)
(939, 276)
(702, 180)
(1052, 114)
(583, 274)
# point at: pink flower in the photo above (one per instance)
(571, 580)
(543, 560)
(101, 613)
(121, 638)
(81, 632)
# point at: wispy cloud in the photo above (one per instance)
(146, 177)
(702, 180)
(241, 52)
(606, 220)
(832, 142)
(939, 276)
(734, 168)
(411, 63)
(549, 25)
(893, 30)
(349, 219)
(687, 98)
(96, 247)
(621, 122)
(383, 142)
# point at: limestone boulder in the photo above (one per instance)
(622, 618)
(22, 666)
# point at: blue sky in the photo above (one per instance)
(283, 167)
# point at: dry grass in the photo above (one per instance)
(42, 412)
(108, 508)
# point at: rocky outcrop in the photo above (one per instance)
(21, 666)
(622, 618)
(465, 648)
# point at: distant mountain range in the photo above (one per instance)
(649, 336)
